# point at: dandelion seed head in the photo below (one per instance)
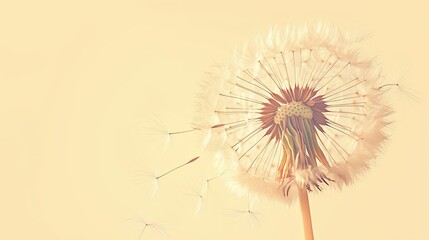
(299, 108)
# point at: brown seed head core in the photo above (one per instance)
(292, 108)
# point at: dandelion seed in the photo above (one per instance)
(408, 92)
(206, 184)
(149, 179)
(156, 228)
(199, 196)
(176, 168)
(295, 112)
(158, 129)
(153, 179)
(251, 218)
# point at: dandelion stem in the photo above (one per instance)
(305, 212)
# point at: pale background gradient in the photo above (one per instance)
(79, 79)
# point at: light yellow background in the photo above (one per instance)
(78, 80)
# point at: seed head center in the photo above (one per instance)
(293, 108)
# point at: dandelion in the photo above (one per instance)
(295, 112)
